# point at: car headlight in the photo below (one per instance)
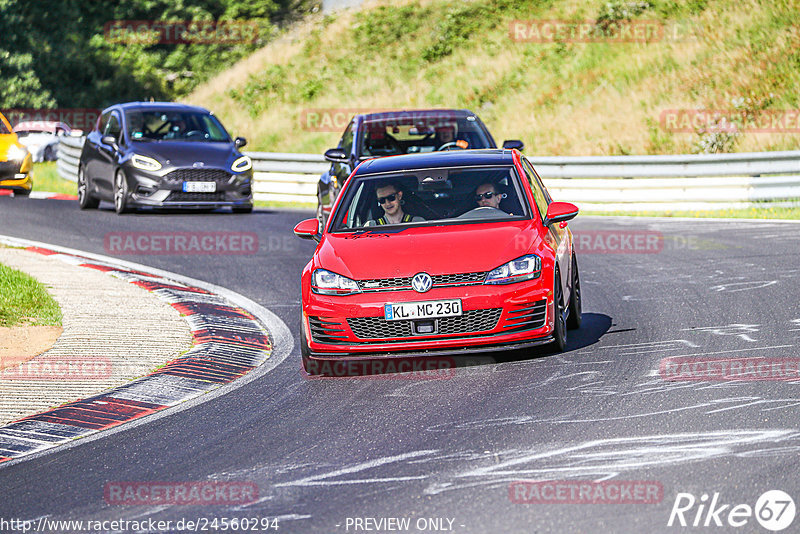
(329, 283)
(526, 267)
(242, 164)
(16, 153)
(145, 163)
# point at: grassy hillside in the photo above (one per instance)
(560, 98)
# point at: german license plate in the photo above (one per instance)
(429, 309)
(199, 187)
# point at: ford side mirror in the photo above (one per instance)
(239, 142)
(336, 155)
(110, 140)
(509, 144)
(560, 212)
(308, 229)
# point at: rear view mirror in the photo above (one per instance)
(308, 229)
(560, 212)
(336, 155)
(239, 142)
(509, 144)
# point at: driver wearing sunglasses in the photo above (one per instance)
(487, 195)
(390, 198)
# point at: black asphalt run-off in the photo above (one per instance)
(325, 452)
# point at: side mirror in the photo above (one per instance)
(308, 229)
(560, 212)
(110, 140)
(509, 144)
(336, 155)
(239, 142)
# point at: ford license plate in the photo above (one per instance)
(430, 309)
(199, 187)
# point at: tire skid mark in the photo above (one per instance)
(228, 342)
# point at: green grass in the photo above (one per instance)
(560, 98)
(46, 178)
(746, 213)
(25, 301)
(278, 204)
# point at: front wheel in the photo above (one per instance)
(560, 329)
(85, 199)
(575, 306)
(121, 194)
(242, 209)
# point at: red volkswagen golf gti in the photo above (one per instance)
(439, 254)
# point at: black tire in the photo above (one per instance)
(22, 192)
(242, 209)
(309, 366)
(575, 305)
(85, 199)
(121, 193)
(560, 331)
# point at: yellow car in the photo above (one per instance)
(16, 163)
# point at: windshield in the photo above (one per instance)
(174, 126)
(427, 197)
(390, 136)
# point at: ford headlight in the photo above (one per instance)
(145, 163)
(526, 267)
(16, 153)
(242, 164)
(329, 283)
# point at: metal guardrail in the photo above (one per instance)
(598, 183)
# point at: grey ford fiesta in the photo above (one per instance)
(163, 155)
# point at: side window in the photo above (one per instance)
(539, 194)
(102, 122)
(113, 127)
(347, 139)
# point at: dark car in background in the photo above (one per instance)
(163, 155)
(392, 133)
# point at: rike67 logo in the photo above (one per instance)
(774, 510)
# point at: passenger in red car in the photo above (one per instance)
(390, 198)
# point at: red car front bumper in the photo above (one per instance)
(495, 317)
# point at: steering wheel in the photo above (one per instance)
(449, 146)
(193, 133)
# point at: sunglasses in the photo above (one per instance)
(487, 195)
(387, 198)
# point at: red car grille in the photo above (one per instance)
(379, 328)
(527, 317)
(326, 331)
(439, 280)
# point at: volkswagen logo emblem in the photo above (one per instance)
(422, 282)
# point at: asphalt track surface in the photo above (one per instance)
(323, 451)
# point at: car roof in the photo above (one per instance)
(49, 126)
(450, 158)
(416, 114)
(157, 106)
